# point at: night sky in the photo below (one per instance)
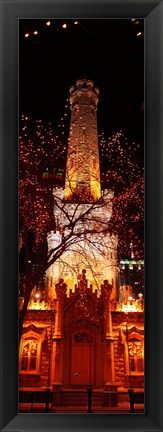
(107, 51)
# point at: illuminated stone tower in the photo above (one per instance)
(95, 252)
(83, 169)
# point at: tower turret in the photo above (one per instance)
(83, 168)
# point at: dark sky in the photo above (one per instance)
(107, 51)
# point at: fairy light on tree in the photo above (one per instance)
(122, 171)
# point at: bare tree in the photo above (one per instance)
(78, 224)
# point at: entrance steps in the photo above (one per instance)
(79, 398)
(74, 398)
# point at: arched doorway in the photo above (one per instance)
(83, 345)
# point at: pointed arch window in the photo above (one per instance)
(82, 337)
(136, 355)
(30, 350)
(29, 355)
(134, 359)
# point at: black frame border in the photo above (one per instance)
(152, 12)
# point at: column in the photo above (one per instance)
(109, 374)
(57, 350)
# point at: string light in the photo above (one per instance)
(124, 175)
(64, 26)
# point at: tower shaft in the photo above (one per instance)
(83, 168)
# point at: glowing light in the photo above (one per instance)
(76, 22)
(129, 308)
(35, 32)
(138, 34)
(64, 26)
(48, 23)
(26, 35)
(37, 295)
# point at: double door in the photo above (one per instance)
(82, 363)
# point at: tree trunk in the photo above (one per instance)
(23, 312)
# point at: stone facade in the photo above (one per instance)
(86, 326)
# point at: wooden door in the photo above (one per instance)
(82, 361)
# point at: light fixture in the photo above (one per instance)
(26, 35)
(48, 23)
(64, 26)
(138, 34)
(35, 32)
